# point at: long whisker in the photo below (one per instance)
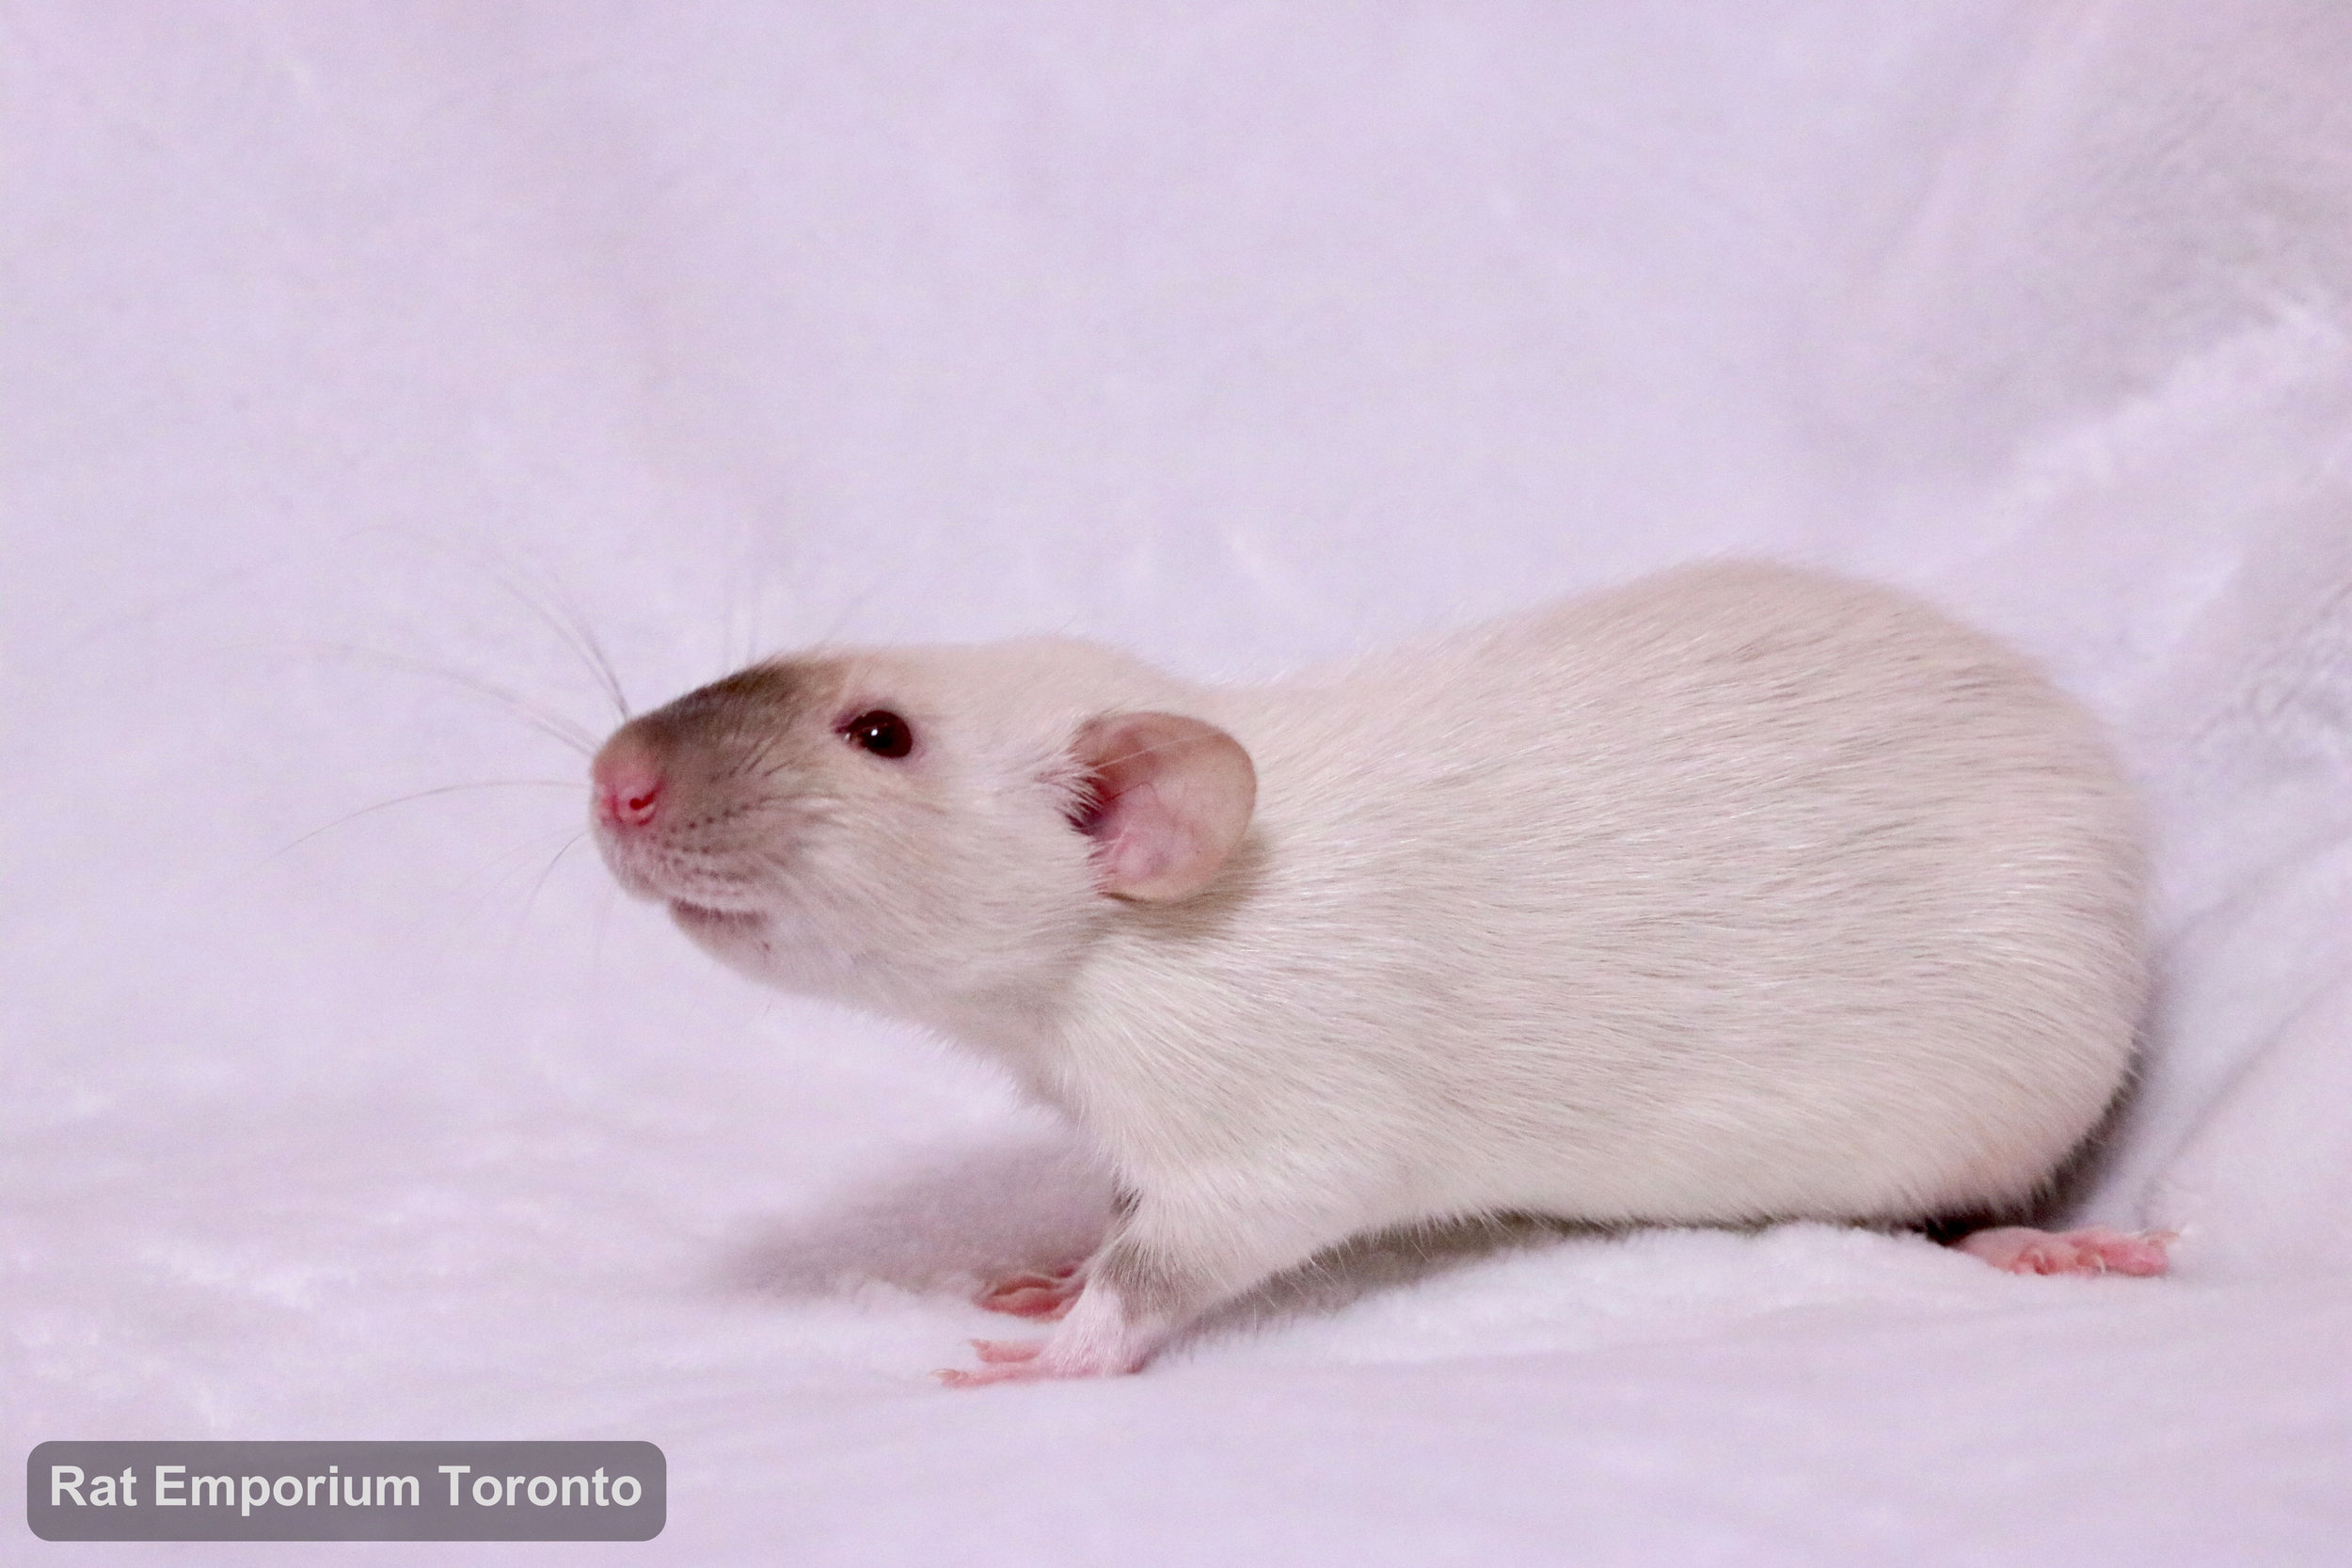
(564, 620)
(548, 870)
(419, 794)
(522, 916)
(495, 869)
(551, 725)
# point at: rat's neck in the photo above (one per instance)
(1020, 1032)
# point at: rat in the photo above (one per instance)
(1735, 895)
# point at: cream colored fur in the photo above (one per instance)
(1737, 894)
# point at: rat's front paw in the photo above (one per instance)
(1099, 1338)
(1001, 1361)
(1029, 1361)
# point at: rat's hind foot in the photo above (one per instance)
(2017, 1249)
(1042, 1294)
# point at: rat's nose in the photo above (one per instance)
(628, 782)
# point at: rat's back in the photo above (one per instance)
(1738, 893)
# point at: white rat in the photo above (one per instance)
(1739, 893)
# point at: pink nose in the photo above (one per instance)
(628, 785)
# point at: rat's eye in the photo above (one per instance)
(881, 732)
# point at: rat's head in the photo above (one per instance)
(918, 828)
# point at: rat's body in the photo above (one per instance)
(1739, 893)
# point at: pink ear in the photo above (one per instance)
(1172, 797)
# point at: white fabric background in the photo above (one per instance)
(350, 349)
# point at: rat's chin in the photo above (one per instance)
(637, 880)
(700, 920)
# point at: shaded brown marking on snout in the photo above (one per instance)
(714, 731)
(752, 700)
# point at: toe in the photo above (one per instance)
(2095, 1251)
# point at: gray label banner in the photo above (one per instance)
(346, 1491)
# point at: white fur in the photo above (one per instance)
(1737, 894)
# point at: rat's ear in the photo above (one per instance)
(1167, 797)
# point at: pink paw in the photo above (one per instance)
(1042, 1293)
(1004, 1352)
(2017, 1249)
(1001, 1361)
(1036, 1360)
(1097, 1339)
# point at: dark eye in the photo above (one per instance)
(881, 732)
